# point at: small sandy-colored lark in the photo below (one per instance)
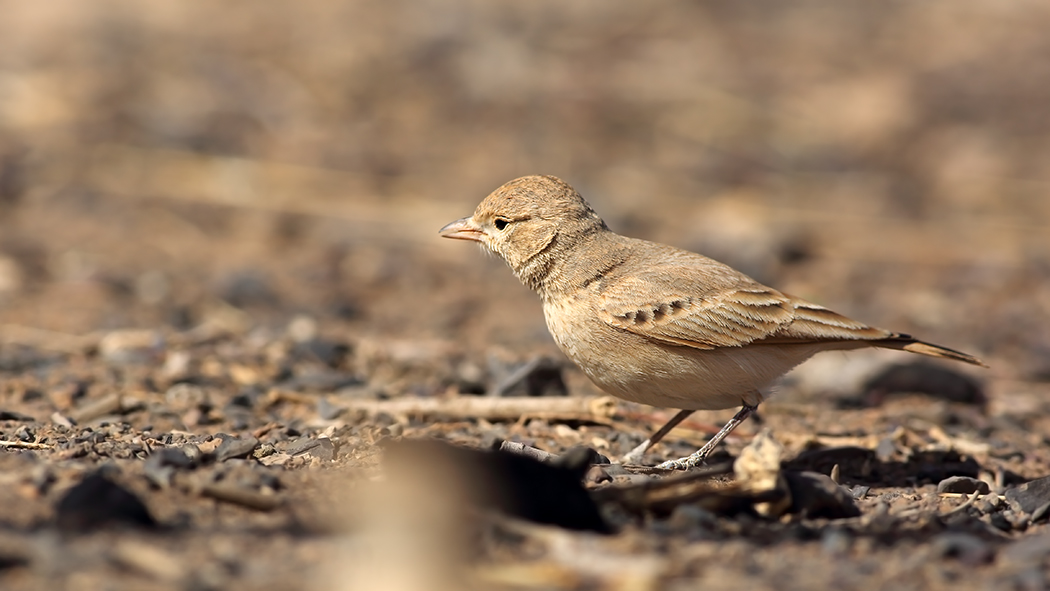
(655, 324)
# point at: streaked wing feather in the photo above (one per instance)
(751, 313)
(814, 323)
(726, 319)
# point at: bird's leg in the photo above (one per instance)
(635, 455)
(700, 455)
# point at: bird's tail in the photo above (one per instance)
(905, 342)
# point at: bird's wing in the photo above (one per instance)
(681, 307)
(815, 323)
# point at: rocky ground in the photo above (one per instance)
(226, 316)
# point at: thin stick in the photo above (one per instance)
(26, 445)
(528, 451)
(494, 409)
(969, 503)
(668, 492)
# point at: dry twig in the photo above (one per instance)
(26, 445)
(969, 503)
(528, 451)
(494, 409)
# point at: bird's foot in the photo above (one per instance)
(687, 462)
(701, 454)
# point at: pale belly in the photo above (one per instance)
(631, 367)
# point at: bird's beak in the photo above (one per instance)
(462, 229)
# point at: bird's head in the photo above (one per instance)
(526, 220)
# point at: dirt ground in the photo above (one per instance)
(222, 293)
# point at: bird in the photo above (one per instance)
(655, 324)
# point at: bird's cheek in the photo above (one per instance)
(527, 242)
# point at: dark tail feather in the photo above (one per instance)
(904, 342)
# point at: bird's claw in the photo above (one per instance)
(684, 463)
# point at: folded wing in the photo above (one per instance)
(694, 313)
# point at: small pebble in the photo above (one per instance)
(235, 447)
(324, 450)
(1041, 513)
(962, 485)
(1029, 496)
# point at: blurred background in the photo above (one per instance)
(166, 164)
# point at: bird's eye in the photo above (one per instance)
(501, 224)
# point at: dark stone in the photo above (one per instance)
(163, 463)
(580, 458)
(935, 466)
(1029, 496)
(816, 495)
(1042, 513)
(596, 475)
(235, 447)
(963, 485)
(301, 445)
(10, 415)
(24, 434)
(324, 449)
(1000, 522)
(98, 502)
